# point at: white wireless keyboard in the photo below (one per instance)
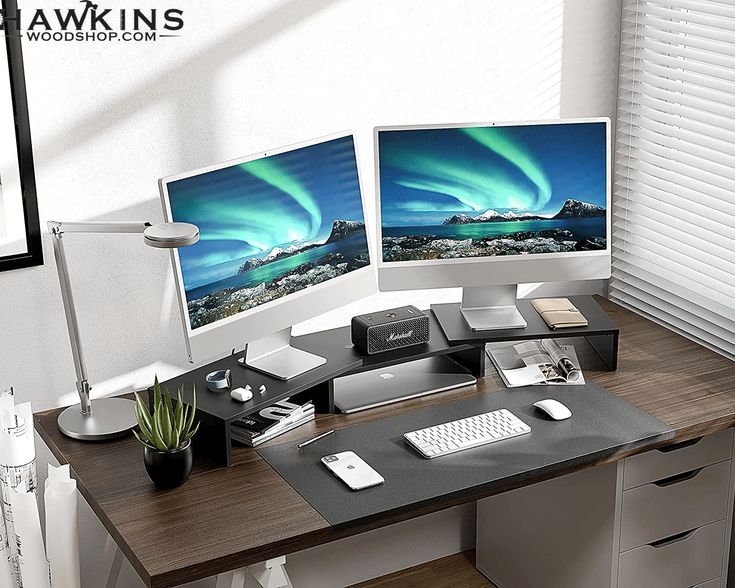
(467, 433)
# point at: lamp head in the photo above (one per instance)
(171, 235)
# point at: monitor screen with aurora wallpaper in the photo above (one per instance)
(271, 227)
(484, 191)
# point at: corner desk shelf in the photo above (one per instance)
(217, 410)
(601, 331)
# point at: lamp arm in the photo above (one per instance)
(83, 387)
(55, 227)
(160, 236)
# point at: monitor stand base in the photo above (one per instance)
(491, 308)
(273, 355)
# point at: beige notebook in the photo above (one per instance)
(559, 313)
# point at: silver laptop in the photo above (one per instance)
(399, 382)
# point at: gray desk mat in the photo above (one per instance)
(601, 424)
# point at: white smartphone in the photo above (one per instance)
(352, 470)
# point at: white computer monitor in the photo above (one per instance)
(282, 240)
(488, 206)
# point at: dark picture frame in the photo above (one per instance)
(11, 38)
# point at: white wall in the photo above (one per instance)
(109, 119)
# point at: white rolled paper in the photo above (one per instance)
(28, 565)
(62, 528)
(17, 449)
(34, 569)
(7, 406)
(6, 580)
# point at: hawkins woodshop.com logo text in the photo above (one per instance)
(91, 22)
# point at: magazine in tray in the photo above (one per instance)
(272, 421)
(539, 361)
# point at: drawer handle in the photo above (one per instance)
(678, 478)
(673, 539)
(682, 445)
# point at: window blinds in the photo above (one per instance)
(674, 184)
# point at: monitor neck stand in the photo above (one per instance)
(491, 308)
(273, 355)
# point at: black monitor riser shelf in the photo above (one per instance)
(450, 337)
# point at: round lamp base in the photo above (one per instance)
(110, 418)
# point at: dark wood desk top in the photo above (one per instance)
(225, 518)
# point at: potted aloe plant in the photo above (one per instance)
(166, 433)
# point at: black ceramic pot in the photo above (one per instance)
(168, 469)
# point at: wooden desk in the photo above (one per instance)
(227, 518)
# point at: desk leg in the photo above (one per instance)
(272, 573)
(234, 579)
(269, 574)
(112, 560)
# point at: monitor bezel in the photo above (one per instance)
(361, 282)
(439, 281)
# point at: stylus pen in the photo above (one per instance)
(310, 441)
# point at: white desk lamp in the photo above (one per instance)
(111, 417)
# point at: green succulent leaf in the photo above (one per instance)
(145, 431)
(191, 433)
(162, 430)
(167, 431)
(168, 403)
(143, 418)
(192, 412)
(159, 435)
(156, 394)
(143, 440)
(179, 418)
(139, 415)
(184, 420)
(157, 440)
(141, 411)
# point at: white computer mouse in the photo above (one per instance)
(555, 409)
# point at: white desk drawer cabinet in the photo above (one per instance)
(681, 457)
(660, 519)
(680, 562)
(673, 515)
(675, 504)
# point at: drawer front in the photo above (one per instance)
(668, 461)
(686, 501)
(680, 562)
